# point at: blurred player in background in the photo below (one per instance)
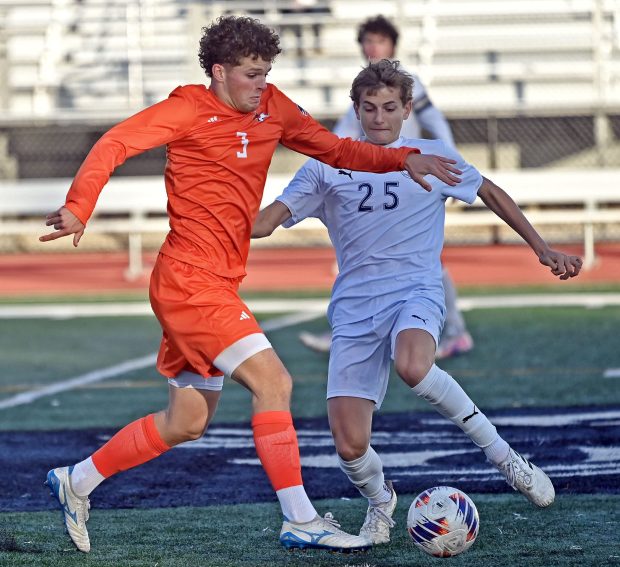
(387, 301)
(378, 39)
(220, 141)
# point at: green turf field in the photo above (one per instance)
(576, 531)
(523, 358)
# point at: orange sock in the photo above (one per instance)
(277, 448)
(133, 445)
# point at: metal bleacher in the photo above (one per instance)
(526, 85)
(108, 55)
(91, 54)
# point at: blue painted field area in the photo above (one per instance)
(545, 377)
(579, 448)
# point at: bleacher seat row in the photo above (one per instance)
(96, 54)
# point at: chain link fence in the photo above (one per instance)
(491, 142)
(516, 98)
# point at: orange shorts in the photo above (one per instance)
(202, 316)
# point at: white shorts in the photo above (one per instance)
(186, 379)
(361, 352)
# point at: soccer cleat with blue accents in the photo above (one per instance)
(321, 533)
(74, 508)
(528, 479)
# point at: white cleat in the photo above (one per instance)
(528, 479)
(317, 343)
(74, 508)
(378, 521)
(321, 533)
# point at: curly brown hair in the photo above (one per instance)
(230, 38)
(384, 73)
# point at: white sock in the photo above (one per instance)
(85, 477)
(295, 504)
(450, 400)
(384, 496)
(366, 473)
(497, 452)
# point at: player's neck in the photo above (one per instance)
(220, 94)
(380, 143)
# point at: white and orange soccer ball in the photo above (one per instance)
(443, 521)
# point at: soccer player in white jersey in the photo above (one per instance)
(378, 39)
(388, 301)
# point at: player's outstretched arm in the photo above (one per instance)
(498, 201)
(419, 165)
(561, 264)
(65, 223)
(270, 218)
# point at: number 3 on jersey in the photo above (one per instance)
(244, 143)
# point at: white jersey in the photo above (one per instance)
(424, 115)
(386, 229)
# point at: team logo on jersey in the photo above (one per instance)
(261, 117)
(213, 119)
(303, 111)
(348, 172)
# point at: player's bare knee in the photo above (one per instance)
(192, 430)
(278, 387)
(350, 447)
(412, 371)
(196, 431)
(180, 431)
(350, 450)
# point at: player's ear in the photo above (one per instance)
(356, 107)
(218, 72)
(408, 108)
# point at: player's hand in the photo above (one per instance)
(65, 223)
(561, 264)
(419, 165)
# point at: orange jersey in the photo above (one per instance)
(217, 162)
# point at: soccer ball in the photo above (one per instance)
(443, 521)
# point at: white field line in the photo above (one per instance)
(134, 364)
(46, 311)
(591, 300)
(312, 308)
(69, 311)
(83, 379)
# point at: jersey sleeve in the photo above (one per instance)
(307, 136)
(156, 125)
(305, 193)
(420, 97)
(428, 115)
(433, 121)
(471, 179)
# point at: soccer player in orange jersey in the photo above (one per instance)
(220, 140)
